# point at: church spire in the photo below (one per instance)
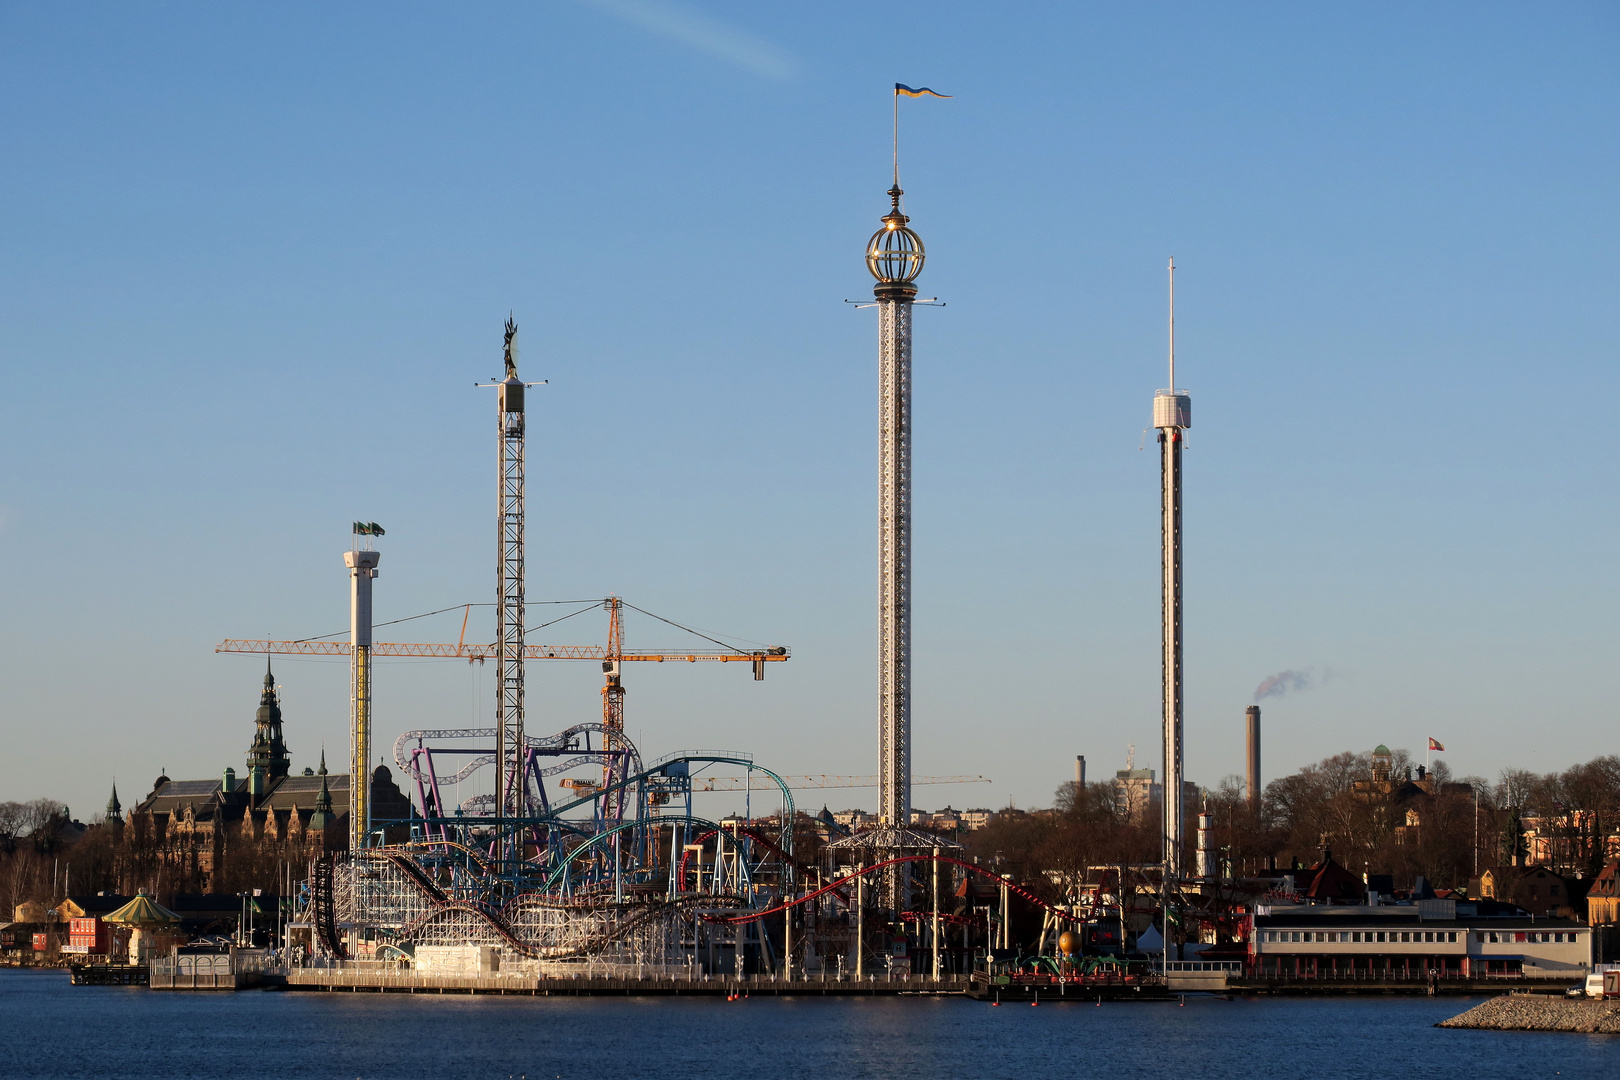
(322, 817)
(322, 770)
(115, 812)
(269, 750)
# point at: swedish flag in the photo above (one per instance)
(902, 88)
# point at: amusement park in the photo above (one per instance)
(580, 857)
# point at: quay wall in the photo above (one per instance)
(404, 982)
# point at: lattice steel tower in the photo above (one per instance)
(1172, 415)
(511, 799)
(895, 257)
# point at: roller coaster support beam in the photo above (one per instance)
(935, 935)
(1005, 912)
(860, 923)
(787, 937)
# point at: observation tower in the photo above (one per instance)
(1172, 415)
(895, 256)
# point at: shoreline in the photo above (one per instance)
(1539, 1012)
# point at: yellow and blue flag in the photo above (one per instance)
(902, 88)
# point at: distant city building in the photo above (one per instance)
(1536, 889)
(1603, 897)
(1138, 790)
(977, 818)
(854, 819)
(946, 819)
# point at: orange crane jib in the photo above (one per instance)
(481, 652)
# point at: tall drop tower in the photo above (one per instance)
(894, 255)
(1172, 415)
(362, 564)
(510, 799)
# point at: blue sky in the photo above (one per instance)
(254, 258)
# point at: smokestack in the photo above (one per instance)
(1080, 772)
(1253, 756)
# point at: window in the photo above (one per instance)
(1493, 937)
(1355, 935)
(1428, 935)
(1380, 935)
(1406, 935)
(1296, 935)
(1453, 936)
(1518, 936)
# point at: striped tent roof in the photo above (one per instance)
(142, 911)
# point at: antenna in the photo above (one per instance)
(1172, 324)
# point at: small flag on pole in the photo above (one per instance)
(1434, 744)
(902, 88)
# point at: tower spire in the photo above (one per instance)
(268, 753)
(1172, 415)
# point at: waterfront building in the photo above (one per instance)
(1456, 939)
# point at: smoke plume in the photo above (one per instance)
(1282, 683)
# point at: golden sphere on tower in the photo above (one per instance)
(1068, 943)
(894, 255)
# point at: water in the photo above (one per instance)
(53, 1029)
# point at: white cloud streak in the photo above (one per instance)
(688, 26)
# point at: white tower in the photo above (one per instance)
(362, 572)
(894, 255)
(1172, 415)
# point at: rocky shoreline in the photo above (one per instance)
(1538, 1012)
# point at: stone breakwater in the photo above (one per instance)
(1534, 1012)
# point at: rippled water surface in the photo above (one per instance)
(53, 1029)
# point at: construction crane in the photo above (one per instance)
(611, 656)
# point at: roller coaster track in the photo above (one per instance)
(451, 907)
(642, 914)
(416, 876)
(753, 834)
(432, 846)
(500, 921)
(1018, 890)
(324, 900)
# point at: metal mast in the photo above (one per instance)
(362, 572)
(510, 799)
(895, 257)
(1172, 415)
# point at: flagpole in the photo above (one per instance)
(896, 137)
